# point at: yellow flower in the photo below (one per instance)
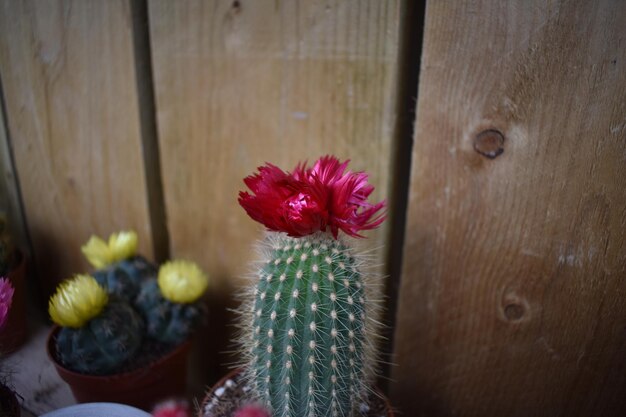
(77, 301)
(121, 246)
(182, 281)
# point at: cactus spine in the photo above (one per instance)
(309, 338)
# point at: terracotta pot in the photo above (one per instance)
(143, 388)
(9, 405)
(381, 400)
(13, 334)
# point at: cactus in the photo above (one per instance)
(309, 324)
(99, 333)
(119, 270)
(307, 349)
(7, 250)
(124, 278)
(171, 305)
(105, 318)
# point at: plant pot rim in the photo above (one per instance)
(234, 372)
(51, 350)
(98, 409)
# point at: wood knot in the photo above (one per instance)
(489, 143)
(514, 308)
(514, 312)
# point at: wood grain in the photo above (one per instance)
(69, 83)
(241, 83)
(512, 297)
(10, 202)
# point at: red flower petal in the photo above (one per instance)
(312, 199)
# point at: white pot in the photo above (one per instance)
(98, 410)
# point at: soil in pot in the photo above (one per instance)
(142, 384)
(13, 334)
(231, 392)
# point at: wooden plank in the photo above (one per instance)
(512, 298)
(10, 202)
(69, 82)
(241, 83)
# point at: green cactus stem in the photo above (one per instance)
(124, 278)
(167, 321)
(172, 304)
(309, 331)
(104, 343)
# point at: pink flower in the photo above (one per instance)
(172, 408)
(252, 411)
(6, 297)
(324, 197)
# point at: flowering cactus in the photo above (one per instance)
(107, 317)
(99, 333)
(6, 298)
(171, 305)
(118, 269)
(310, 319)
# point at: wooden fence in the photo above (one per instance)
(506, 243)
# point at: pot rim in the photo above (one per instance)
(50, 350)
(98, 409)
(234, 372)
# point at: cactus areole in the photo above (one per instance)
(309, 325)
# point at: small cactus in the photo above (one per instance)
(99, 333)
(119, 270)
(171, 305)
(309, 324)
(7, 250)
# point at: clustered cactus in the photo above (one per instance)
(310, 321)
(105, 318)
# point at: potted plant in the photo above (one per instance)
(9, 406)
(13, 267)
(309, 323)
(123, 333)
